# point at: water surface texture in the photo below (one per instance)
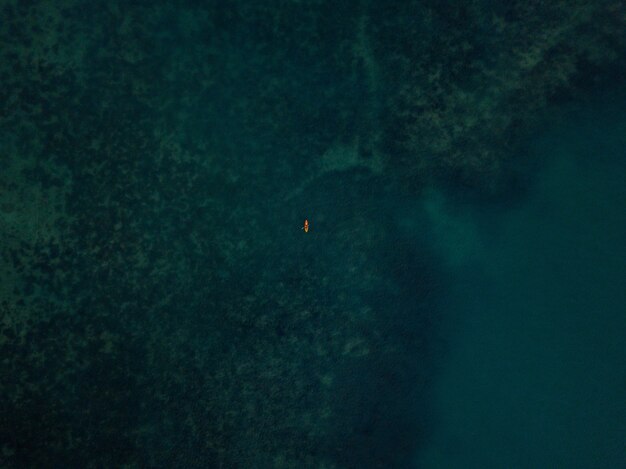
(457, 301)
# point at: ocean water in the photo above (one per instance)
(458, 301)
(535, 373)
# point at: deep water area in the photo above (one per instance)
(456, 302)
(535, 374)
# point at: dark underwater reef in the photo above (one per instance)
(159, 305)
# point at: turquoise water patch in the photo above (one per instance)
(535, 374)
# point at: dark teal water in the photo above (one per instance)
(535, 375)
(457, 303)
